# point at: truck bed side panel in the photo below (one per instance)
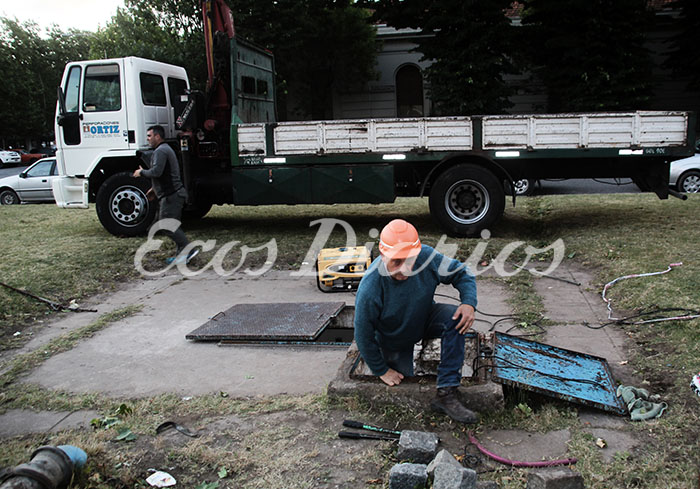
(360, 136)
(585, 131)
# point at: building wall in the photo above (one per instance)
(378, 97)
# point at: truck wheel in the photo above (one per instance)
(122, 206)
(466, 199)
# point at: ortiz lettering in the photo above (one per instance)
(101, 129)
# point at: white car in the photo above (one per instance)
(32, 185)
(9, 158)
(685, 174)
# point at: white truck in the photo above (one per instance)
(466, 165)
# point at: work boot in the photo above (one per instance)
(447, 402)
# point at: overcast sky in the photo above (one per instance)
(80, 14)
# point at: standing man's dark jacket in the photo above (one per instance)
(164, 171)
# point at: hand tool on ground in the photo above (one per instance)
(349, 423)
(381, 433)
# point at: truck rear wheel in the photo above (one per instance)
(122, 206)
(466, 199)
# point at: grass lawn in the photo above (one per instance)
(66, 255)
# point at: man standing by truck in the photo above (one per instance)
(394, 309)
(167, 187)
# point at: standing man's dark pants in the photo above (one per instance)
(171, 208)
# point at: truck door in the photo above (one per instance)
(96, 116)
(155, 104)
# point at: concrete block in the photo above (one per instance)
(443, 457)
(486, 485)
(417, 446)
(447, 476)
(554, 478)
(408, 476)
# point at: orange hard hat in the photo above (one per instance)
(399, 240)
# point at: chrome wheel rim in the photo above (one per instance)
(128, 206)
(467, 202)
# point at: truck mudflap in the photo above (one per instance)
(70, 192)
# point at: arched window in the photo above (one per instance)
(409, 92)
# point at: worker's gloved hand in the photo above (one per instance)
(392, 377)
(465, 314)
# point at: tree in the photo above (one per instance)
(684, 59)
(32, 67)
(162, 30)
(319, 46)
(471, 44)
(590, 54)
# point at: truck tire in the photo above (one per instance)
(122, 206)
(466, 199)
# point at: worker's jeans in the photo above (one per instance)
(171, 208)
(440, 325)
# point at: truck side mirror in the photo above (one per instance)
(61, 106)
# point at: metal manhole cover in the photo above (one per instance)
(282, 321)
(556, 372)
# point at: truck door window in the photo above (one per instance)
(72, 89)
(152, 89)
(71, 121)
(102, 92)
(176, 88)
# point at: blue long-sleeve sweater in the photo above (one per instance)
(392, 313)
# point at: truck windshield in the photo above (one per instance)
(102, 88)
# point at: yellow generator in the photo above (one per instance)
(341, 269)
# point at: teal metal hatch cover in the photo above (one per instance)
(556, 372)
(281, 321)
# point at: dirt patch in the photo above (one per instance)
(289, 448)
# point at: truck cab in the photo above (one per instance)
(104, 109)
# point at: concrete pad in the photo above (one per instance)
(525, 446)
(566, 302)
(575, 306)
(23, 421)
(147, 354)
(617, 441)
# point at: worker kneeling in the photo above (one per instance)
(395, 308)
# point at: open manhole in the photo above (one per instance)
(281, 323)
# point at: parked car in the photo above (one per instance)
(525, 186)
(9, 158)
(32, 185)
(684, 175)
(44, 151)
(28, 157)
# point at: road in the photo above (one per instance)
(11, 170)
(586, 186)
